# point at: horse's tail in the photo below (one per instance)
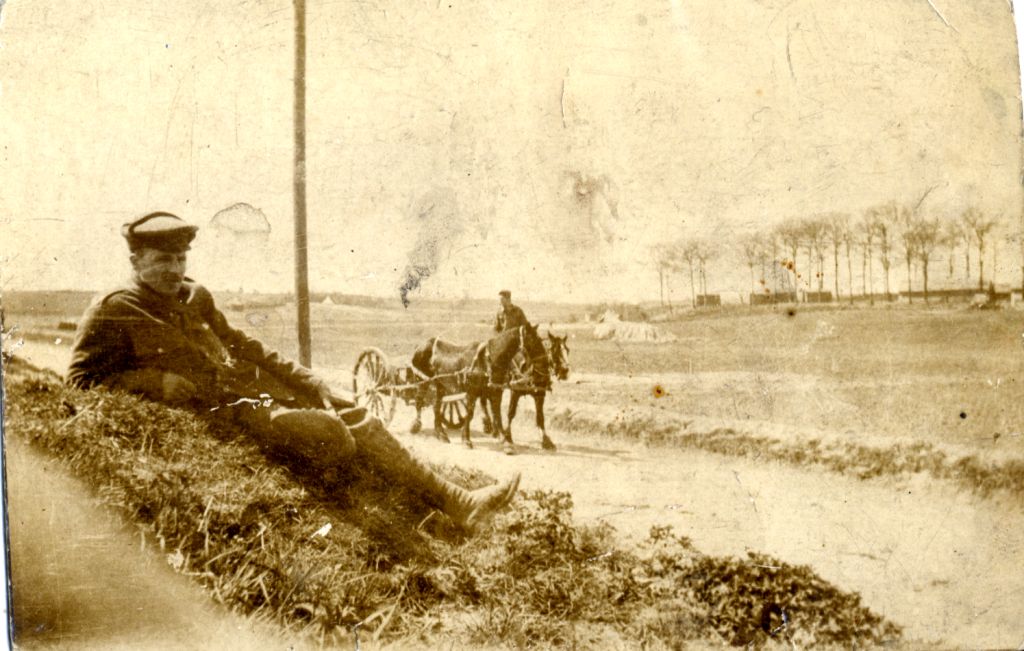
(421, 359)
(481, 360)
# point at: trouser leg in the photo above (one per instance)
(315, 436)
(384, 454)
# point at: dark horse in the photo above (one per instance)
(558, 362)
(480, 370)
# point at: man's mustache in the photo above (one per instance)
(168, 278)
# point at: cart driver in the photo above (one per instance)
(509, 316)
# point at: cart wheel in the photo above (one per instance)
(453, 413)
(373, 385)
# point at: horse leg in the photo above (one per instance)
(513, 405)
(488, 424)
(417, 425)
(471, 399)
(438, 420)
(538, 403)
(506, 433)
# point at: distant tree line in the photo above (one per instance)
(798, 255)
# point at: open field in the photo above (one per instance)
(896, 378)
(938, 375)
(948, 378)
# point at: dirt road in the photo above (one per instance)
(944, 564)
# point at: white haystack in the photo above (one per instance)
(611, 327)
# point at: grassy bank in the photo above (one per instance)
(251, 532)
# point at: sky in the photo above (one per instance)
(460, 148)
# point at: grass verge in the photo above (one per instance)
(252, 533)
(849, 458)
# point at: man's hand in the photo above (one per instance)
(177, 388)
(325, 395)
(330, 400)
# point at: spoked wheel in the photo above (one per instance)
(373, 386)
(454, 410)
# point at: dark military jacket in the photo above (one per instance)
(130, 337)
(508, 319)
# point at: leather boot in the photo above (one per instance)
(468, 509)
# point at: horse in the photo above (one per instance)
(478, 369)
(558, 362)
(455, 363)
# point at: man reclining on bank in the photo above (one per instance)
(163, 337)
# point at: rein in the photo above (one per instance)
(532, 364)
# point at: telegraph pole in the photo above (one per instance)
(299, 189)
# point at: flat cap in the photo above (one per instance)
(505, 293)
(159, 230)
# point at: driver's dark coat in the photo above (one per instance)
(509, 318)
(130, 337)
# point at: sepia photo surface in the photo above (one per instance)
(651, 324)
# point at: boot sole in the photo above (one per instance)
(486, 510)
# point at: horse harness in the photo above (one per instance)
(483, 354)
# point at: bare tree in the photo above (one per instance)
(884, 219)
(688, 252)
(866, 227)
(664, 255)
(967, 234)
(848, 242)
(951, 232)
(771, 239)
(815, 232)
(705, 252)
(980, 226)
(1016, 241)
(766, 263)
(750, 249)
(837, 229)
(806, 227)
(789, 233)
(908, 224)
(927, 237)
